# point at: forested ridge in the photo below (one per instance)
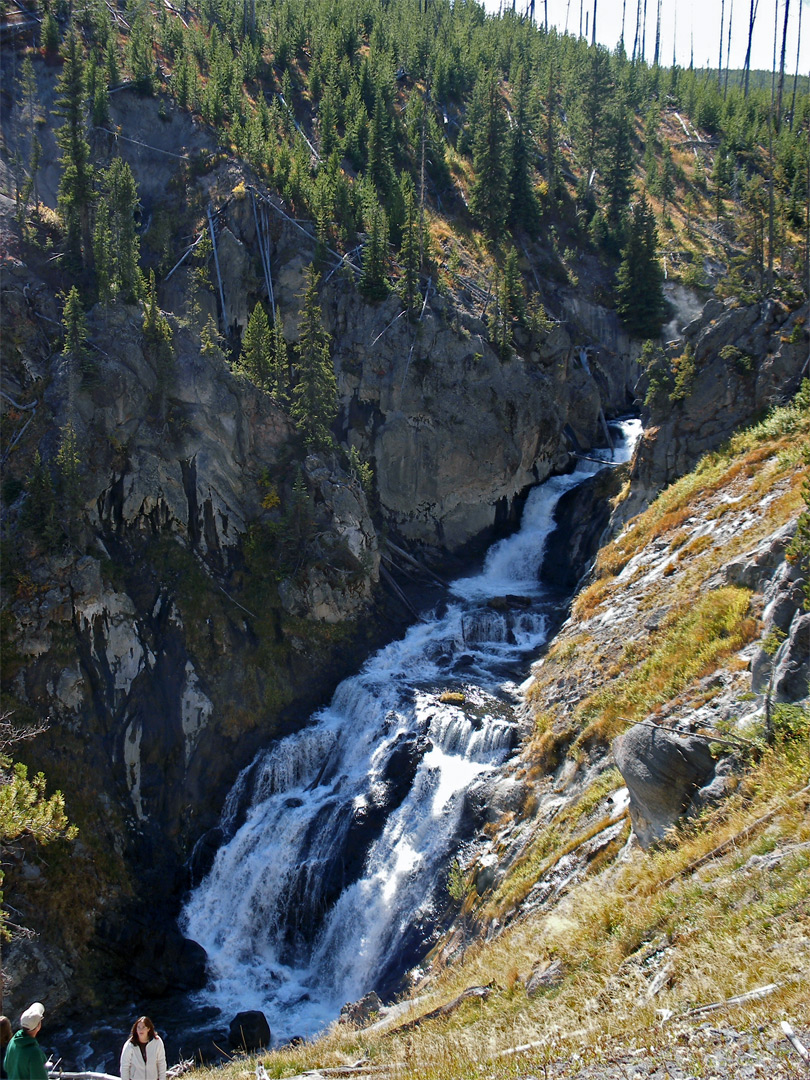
(414, 140)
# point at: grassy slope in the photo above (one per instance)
(641, 932)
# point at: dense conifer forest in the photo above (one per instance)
(416, 138)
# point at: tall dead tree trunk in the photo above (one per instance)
(720, 56)
(796, 76)
(657, 36)
(771, 123)
(638, 31)
(782, 68)
(593, 29)
(644, 34)
(752, 17)
(624, 13)
(728, 46)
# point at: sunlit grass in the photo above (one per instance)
(722, 929)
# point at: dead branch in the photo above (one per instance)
(801, 1050)
(479, 992)
(740, 999)
(414, 562)
(721, 849)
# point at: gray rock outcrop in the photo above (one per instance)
(747, 359)
(662, 771)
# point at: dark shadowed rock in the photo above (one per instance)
(249, 1030)
(161, 959)
(662, 771)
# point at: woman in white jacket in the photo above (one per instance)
(144, 1055)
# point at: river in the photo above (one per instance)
(339, 838)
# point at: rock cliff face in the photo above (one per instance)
(455, 433)
(746, 358)
(173, 615)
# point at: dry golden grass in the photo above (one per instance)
(733, 924)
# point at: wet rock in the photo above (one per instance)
(362, 1012)
(510, 602)
(581, 517)
(249, 1031)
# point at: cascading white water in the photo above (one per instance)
(328, 886)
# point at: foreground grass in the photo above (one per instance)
(736, 922)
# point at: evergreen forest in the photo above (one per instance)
(425, 142)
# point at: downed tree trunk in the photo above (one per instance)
(740, 999)
(800, 1049)
(480, 992)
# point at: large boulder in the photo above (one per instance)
(791, 679)
(249, 1030)
(663, 772)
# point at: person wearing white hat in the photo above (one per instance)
(25, 1058)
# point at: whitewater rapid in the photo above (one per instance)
(329, 882)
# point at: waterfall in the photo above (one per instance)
(333, 880)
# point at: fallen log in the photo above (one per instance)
(721, 849)
(799, 1047)
(740, 999)
(479, 992)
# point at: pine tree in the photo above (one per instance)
(103, 255)
(121, 197)
(256, 357)
(525, 210)
(588, 106)
(314, 396)
(639, 281)
(380, 167)
(76, 184)
(328, 116)
(69, 481)
(374, 277)
(111, 64)
(158, 343)
(75, 327)
(39, 510)
(140, 56)
(617, 164)
(49, 36)
(489, 194)
(409, 249)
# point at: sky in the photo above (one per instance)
(691, 24)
